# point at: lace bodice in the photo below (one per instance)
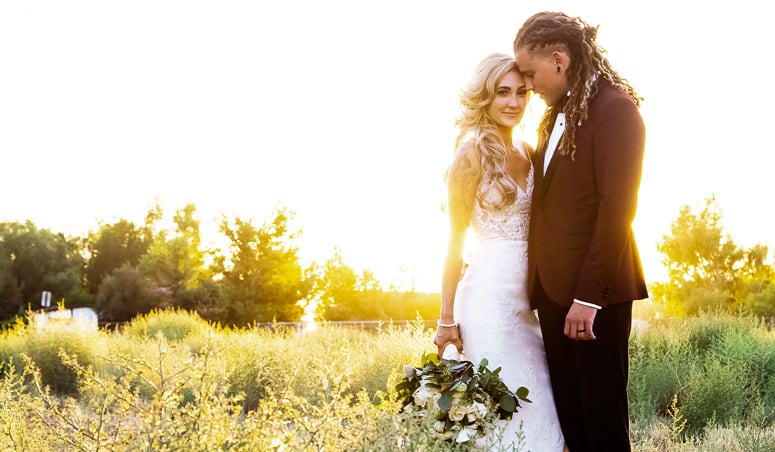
(511, 223)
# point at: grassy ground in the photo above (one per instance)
(170, 381)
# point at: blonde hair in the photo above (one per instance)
(476, 124)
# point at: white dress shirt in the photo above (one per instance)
(554, 139)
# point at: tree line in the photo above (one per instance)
(709, 272)
(123, 269)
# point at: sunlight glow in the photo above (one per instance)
(308, 319)
(350, 124)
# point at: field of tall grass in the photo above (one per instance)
(170, 381)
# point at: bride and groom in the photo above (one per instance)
(547, 292)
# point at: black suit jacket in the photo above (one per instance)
(581, 242)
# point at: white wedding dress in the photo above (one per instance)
(496, 321)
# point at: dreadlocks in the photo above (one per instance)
(557, 31)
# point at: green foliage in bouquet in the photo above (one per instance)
(464, 399)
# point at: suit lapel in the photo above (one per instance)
(550, 170)
(538, 165)
(544, 178)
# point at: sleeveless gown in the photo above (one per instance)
(496, 322)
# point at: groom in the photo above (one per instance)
(585, 270)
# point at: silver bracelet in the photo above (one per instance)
(446, 325)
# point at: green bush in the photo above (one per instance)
(752, 353)
(658, 364)
(335, 359)
(18, 430)
(13, 342)
(755, 439)
(258, 361)
(44, 348)
(714, 394)
(173, 324)
(702, 333)
(171, 381)
(762, 303)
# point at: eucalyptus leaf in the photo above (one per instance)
(508, 403)
(445, 401)
(459, 367)
(522, 393)
(472, 384)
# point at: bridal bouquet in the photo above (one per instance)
(464, 401)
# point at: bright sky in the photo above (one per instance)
(343, 111)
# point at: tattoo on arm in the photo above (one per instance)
(462, 184)
(464, 178)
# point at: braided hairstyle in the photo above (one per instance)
(558, 31)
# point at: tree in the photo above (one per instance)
(10, 292)
(262, 279)
(112, 246)
(343, 294)
(755, 274)
(39, 260)
(176, 265)
(333, 288)
(340, 293)
(124, 294)
(762, 303)
(706, 269)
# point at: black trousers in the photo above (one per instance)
(589, 379)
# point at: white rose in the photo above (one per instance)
(450, 352)
(479, 409)
(423, 394)
(410, 372)
(456, 413)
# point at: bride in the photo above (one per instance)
(486, 313)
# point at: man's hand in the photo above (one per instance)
(579, 322)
